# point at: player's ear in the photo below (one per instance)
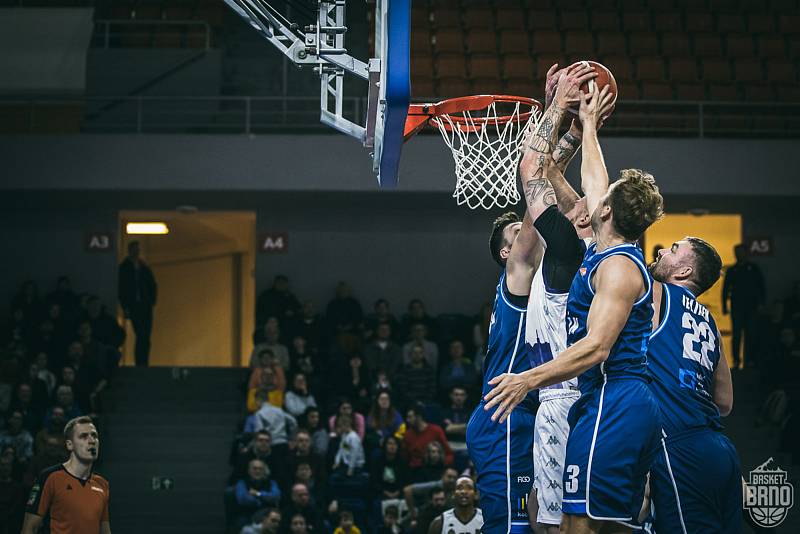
(69, 445)
(505, 252)
(685, 272)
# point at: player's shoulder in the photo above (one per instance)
(48, 472)
(99, 479)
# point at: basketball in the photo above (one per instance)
(604, 77)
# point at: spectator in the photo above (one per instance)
(53, 429)
(419, 338)
(383, 417)
(417, 436)
(23, 403)
(299, 525)
(320, 437)
(304, 474)
(310, 326)
(272, 333)
(303, 453)
(344, 312)
(45, 340)
(267, 521)
(391, 521)
(440, 497)
(42, 362)
(456, 417)
(65, 298)
(138, 293)
(346, 408)
(381, 315)
(417, 380)
(53, 452)
(91, 377)
(12, 499)
(277, 301)
(259, 448)
(299, 399)
(346, 524)
(305, 360)
(432, 465)
(459, 371)
(417, 314)
(349, 458)
(279, 424)
(353, 382)
(381, 383)
(382, 352)
(14, 435)
(300, 504)
(257, 490)
(267, 377)
(65, 399)
(389, 473)
(744, 288)
(104, 326)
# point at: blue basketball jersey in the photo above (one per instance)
(628, 356)
(506, 345)
(682, 355)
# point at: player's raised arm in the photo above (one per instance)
(539, 146)
(594, 176)
(618, 285)
(723, 385)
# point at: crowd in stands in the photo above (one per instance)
(57, 355)
(356, 422)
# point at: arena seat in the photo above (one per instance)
(675, 44)
(771, 46)
(579, 42)
(510, 19)
(448, 40)
(546, 41)
(716, 70)
(611, 43)
(748, 70)
(739, 45)
(478, 18)
(683, 70)
(451, 66)
(707, 45)
(605, 21)
(482, 41)
(518, 66)
(650, 69)
(484, 66)
(573, 20)
(445, 18)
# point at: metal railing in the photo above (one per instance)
(113, 33)
(271, 114)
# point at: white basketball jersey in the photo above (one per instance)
(546, 333)
(452, 525)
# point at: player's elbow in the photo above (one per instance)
(724, 405)
(596, 350)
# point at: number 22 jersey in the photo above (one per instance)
(682, 355)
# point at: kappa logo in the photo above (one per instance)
(769, 495)
(549, 419)
(553, 440)
(553, 507)
(552, 462)
(554, 485)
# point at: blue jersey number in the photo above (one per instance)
(698, 333)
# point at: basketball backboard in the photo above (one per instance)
(322, 45)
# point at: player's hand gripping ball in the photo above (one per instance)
(604, 77)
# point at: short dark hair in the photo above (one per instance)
(345, 514)
(418, 408)
(496, 240)
(708, 264)
(69, 428)
(635, 203)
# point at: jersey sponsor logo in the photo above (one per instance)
(523, 479)
(572, 325)
(582, 270)
(34, 493)
(769, 495)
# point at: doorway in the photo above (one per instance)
(204, 267)
(723, 232)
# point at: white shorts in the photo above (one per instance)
(549, 451)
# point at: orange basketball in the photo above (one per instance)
(604, 77)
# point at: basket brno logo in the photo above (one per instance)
(769, 495)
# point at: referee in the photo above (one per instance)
(69, 496)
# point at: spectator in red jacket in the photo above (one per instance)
(418, 434)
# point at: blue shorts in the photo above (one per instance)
(614, 435)
(696, 484)
(503, 457)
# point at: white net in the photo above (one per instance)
(486, 152)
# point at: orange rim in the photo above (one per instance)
(421, 114)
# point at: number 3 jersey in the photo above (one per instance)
(682, 355)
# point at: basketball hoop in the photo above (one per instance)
(484, 133)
